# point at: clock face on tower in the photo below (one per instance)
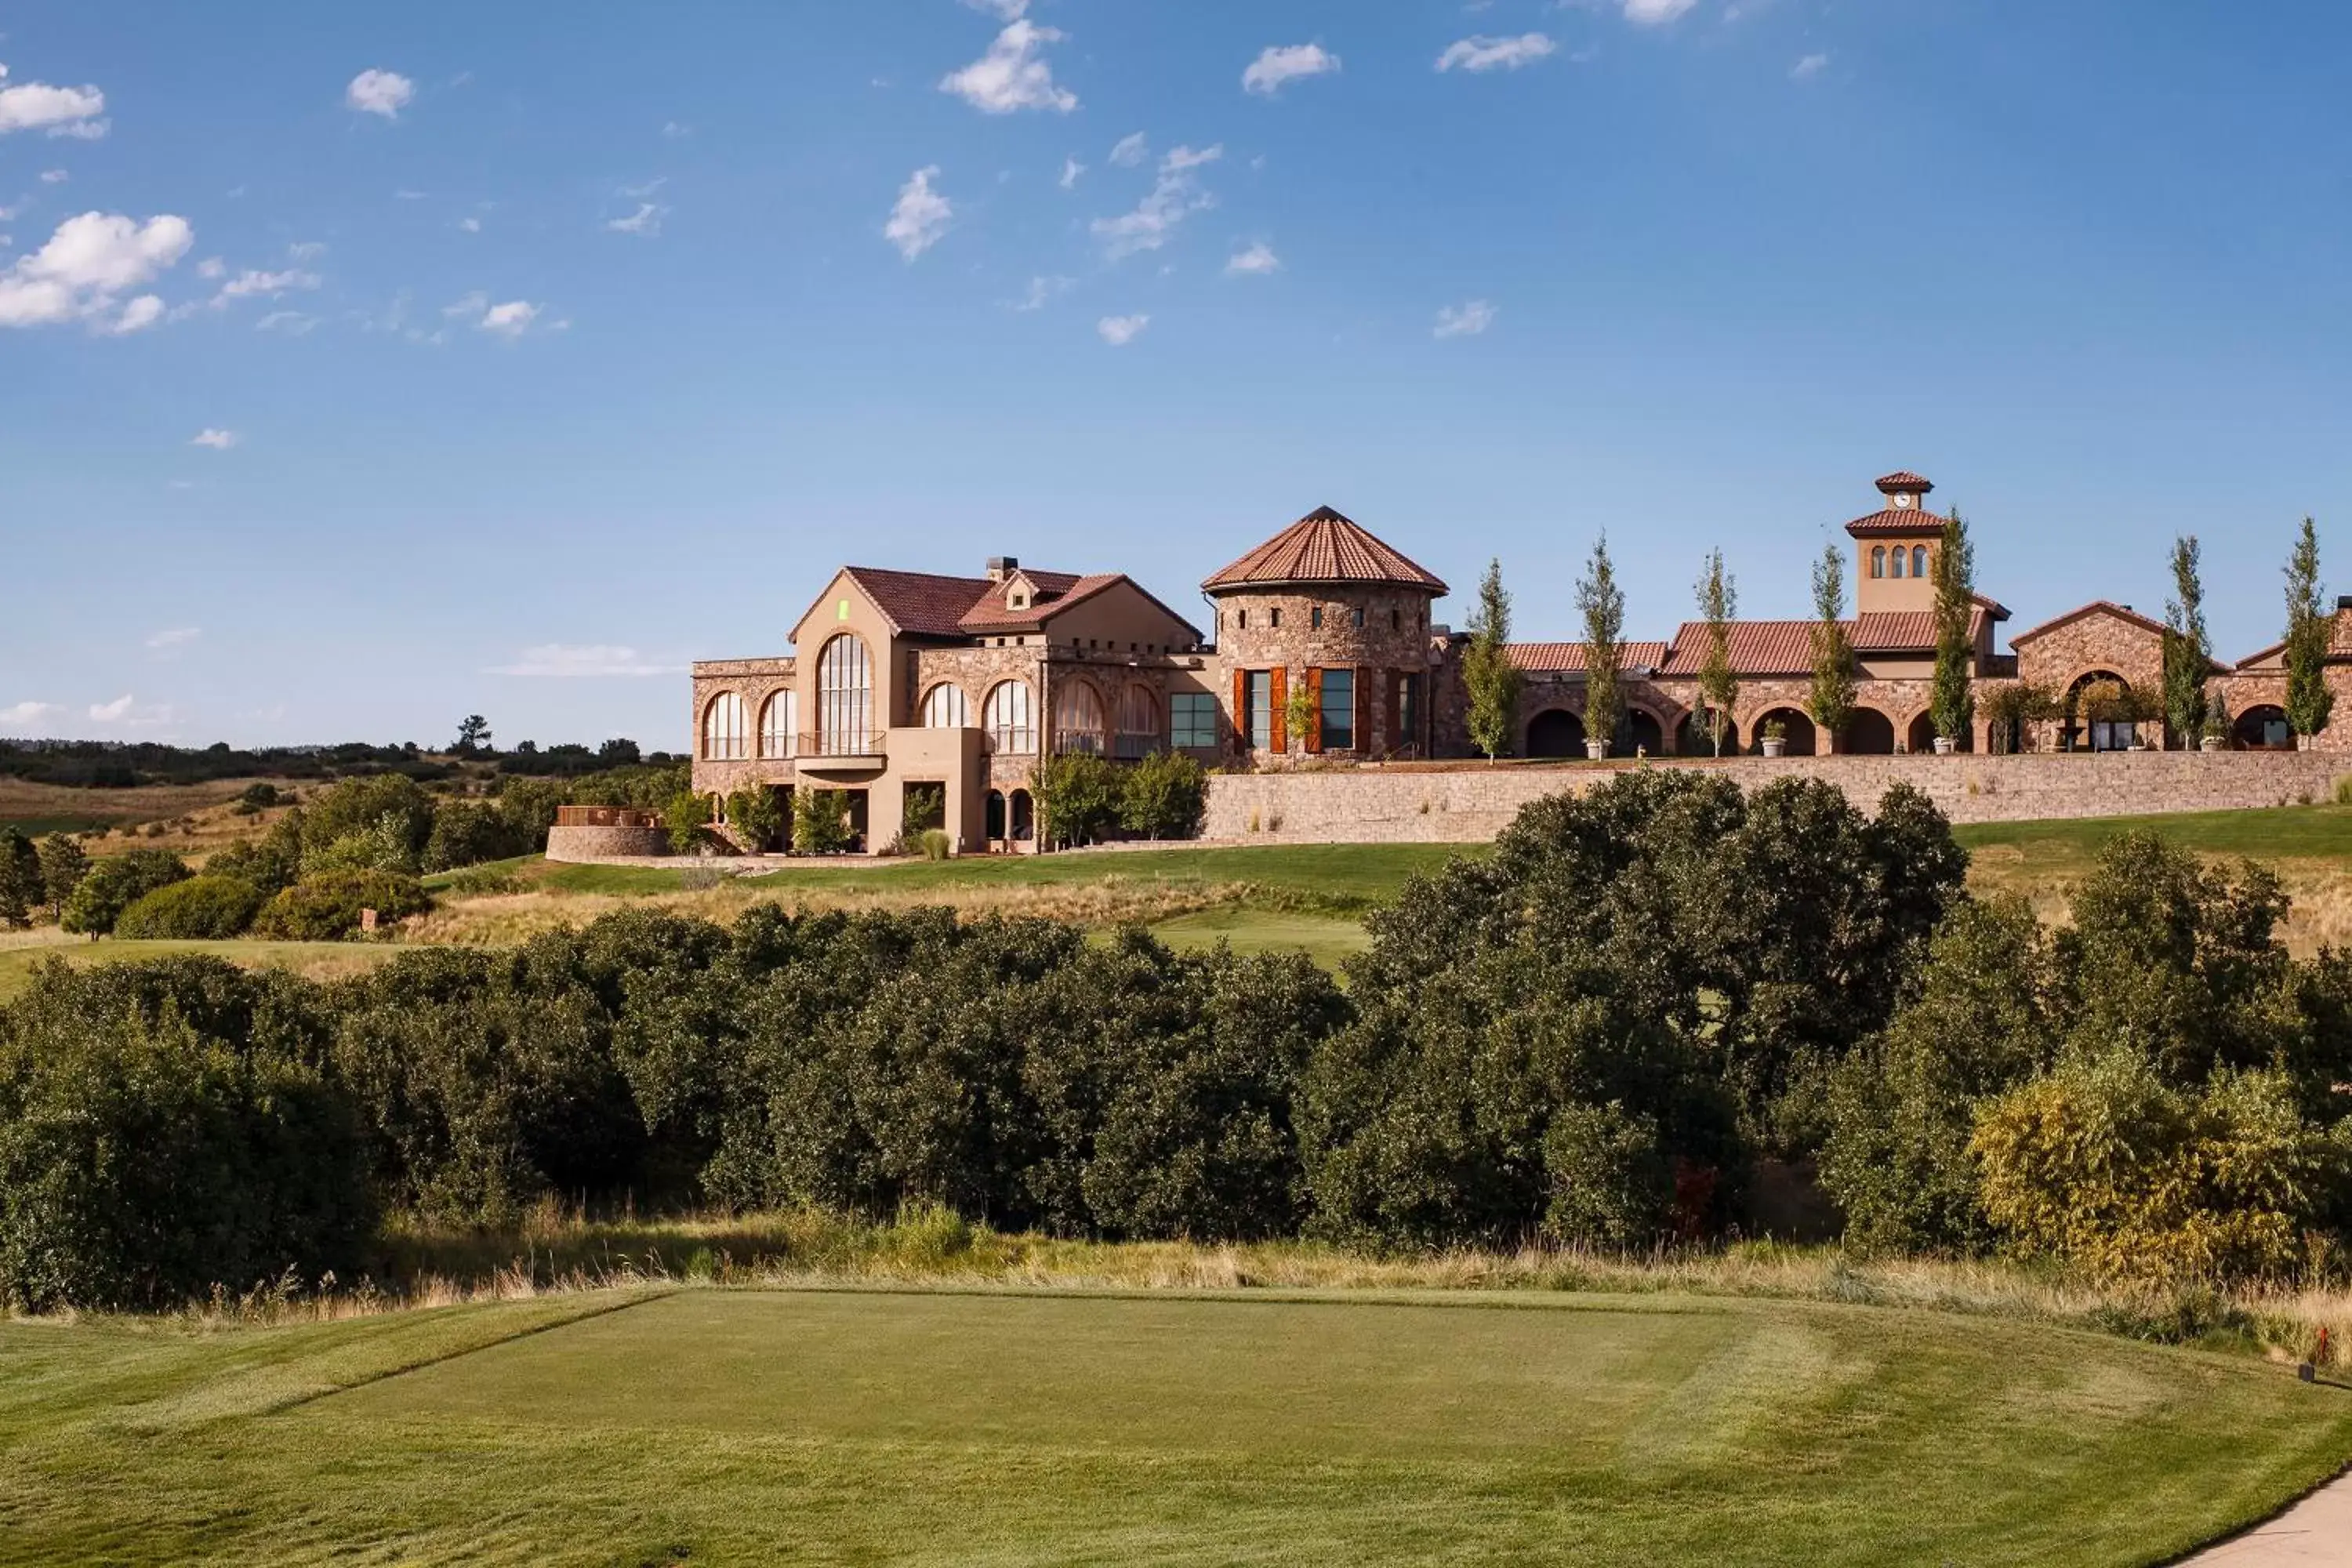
(1905, 500)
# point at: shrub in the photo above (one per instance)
(936, 845)
(756, 813)
(1078, 796)
(20, 878)
(381, 823)
(204, 909)
(256, 798)
(148, 1153)
(64, 864)
(272, 863)
(1165, 796)
(686, 818)
(115, 884)
(465, 834)
(820, 821)
(529, 806)
(326, 908)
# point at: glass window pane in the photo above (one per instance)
(1339, 710)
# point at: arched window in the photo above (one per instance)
(1878, 562)
(1898, 561)
(844, 697)
(1139, 722)
(946, 708)
(779, 725)
(725, 734)
(1077, 718)
(1918, 561)
(1006, 716)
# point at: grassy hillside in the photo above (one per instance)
(727, 1425)
(318, 959)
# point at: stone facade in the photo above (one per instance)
(1378, 634)
(1440, 804)
(590, 845)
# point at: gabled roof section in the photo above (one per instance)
(1325, 547)
(1569, 657)
(2096, 607)
(1756, 648)
(1911, 631)
(1905, 520)
(925, 604)
(1902, 481)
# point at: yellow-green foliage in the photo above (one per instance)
(2104, 1164)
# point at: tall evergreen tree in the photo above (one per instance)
(2186, 653)
(20, 878)
(2309, 625)
(1490, 677)
(1951, 706)
(64, 864)
(1831, 702)
(1603, 603)
(1718, 686)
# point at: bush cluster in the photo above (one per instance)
(1084, 799)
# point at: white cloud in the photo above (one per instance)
(511, 319)
(572, 660)
(108, 712)
(307, 249)
(645, 222)
(1278, 65)
(920, 217)
(54, 176)
(218, 440)
(1130, 150)
(1003, 10)
(1256, 262)
(1071, 170)
(1464, 320)
(379, 92)
(1810, 66)
(469, 225)
(56, 110)
(1013, 75)
(1482, 54)
(293, 323)
(1174, 197)
(1655, 12)
(1120, 330)
(38, 714)
(212, 267)
(674, 130)
(1041, 289)
(174, 637)
(250, 282)
(86, 266)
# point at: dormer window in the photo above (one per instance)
(1020, 601)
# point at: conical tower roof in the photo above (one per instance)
(1324, 547)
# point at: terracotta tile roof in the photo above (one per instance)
(1905, 480)
(1057, 592)
(1902, 519)
(2096, 607)
(1756, 648)
(1568, 658)
(922, 604)
(1998, 611)
(1324, 547)
(1908, 631)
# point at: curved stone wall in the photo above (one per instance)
(592, 843)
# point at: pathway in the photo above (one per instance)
(2315, 1534)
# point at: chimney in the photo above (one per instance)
(999, 567)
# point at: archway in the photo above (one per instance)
(1640, 734)
(2112, 727)
(993, 830)
(1697, 739)
(1869, 734)
(1921, 735)
(1555, 732)
(1797, 738)
(2263, 728)
(1025, 816)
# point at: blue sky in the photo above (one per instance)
(542, 350)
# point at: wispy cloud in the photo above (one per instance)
(380, 93)
(174, 637)
(293, 323)
(1130, 150)
(1013, 75)
(52, 110)
(557, 661)
(1041, 290)
(1071, 170)
(1254, 262)
(1810, 66)
(32, 715)
(920, 217)
(1466, 320)
(645, 222)
(1478, 53)
(1174, 197)
(218, 440)
(1279, 64)
(1655, 12)
(1120, 330)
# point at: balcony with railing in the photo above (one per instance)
(847, 750)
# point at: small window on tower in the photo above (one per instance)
(1315, 617)
(1275, 617)
(1898, 561)
(1355, 618)
(1878, 562)
(1918, 561)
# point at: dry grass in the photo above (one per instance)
(42, 807)
(2320, 889)
(556, 1252)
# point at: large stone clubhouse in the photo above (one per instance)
(905, 681)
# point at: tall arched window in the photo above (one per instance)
(844, 697)
(1898, 561)
(1878, 562)
(1139, 722)
(1077, 718)
(1007, 718)
(725, 734)
(779, 725)
(946, 708)
(1918, 561)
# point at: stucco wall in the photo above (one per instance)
(1459, 804)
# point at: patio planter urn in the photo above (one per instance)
(1594, 751)
(1773, 748)
(2210, 743)
(1945, 745)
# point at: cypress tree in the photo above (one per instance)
(2308, 700)
(1831, 702)
(2187, 654)
(1490, 677)
(1952, 706)
(1718, 686)
(1603, 603)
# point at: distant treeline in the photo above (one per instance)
(115, 765)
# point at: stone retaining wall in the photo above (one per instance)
(596, 843)
(1469, 802)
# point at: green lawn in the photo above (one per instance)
(2286, 832)
(1326, 939)
(747, 1427)
(320, 959)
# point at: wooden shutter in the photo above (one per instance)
(1391, 686)
(1315, 696)
(1241, 709)
(1363, 714)
(1277, 698)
